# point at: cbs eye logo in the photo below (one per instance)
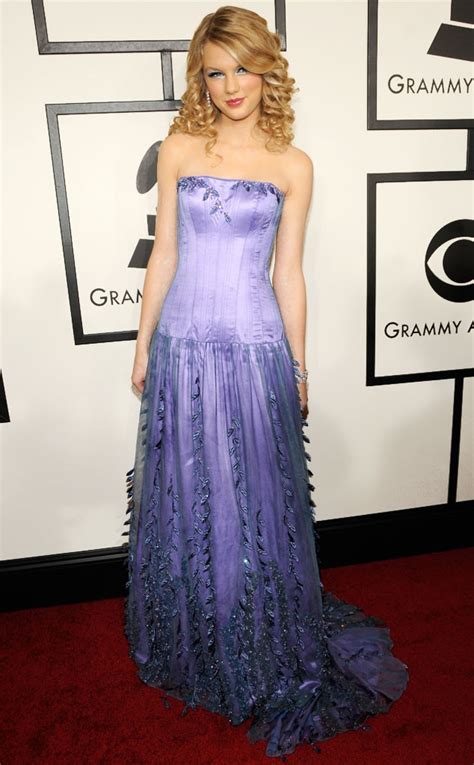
(449, 261)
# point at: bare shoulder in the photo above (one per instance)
(181, 148)
(300, 170)
(173, 149)
(173, 145)
(181, 141)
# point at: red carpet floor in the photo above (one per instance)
(70, 693)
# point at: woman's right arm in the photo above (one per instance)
(164, 256)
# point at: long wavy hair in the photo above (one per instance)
(245, 36)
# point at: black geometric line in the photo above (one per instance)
(4, 413)
(46, 47)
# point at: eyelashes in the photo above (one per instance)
(212, 74)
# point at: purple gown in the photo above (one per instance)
(225, 608)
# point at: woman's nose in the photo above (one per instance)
(231, 85)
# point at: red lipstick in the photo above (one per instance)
(234, 101)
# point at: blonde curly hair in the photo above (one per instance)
(245, 36)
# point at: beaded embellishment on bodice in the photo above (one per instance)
(210, 190)
(221, 290)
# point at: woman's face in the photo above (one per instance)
(226, 80)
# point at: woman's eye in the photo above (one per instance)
(216, 74)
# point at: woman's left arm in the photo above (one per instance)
(288, 278)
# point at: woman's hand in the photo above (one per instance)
(140, 365)
(303, 391)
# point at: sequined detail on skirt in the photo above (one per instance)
(225, 607)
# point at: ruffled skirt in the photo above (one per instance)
(225, 608)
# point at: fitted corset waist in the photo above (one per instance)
(230, 311)
(221, 289)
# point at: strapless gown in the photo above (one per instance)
(225, 608)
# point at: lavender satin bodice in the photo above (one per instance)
(221, 290)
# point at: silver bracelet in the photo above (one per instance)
(300, 375)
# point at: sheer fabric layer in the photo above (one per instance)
(225, 607)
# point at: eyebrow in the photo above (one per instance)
(216, 68)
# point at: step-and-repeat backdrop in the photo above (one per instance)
(384, 109)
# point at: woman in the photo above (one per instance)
(225, 607)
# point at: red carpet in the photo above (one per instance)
(70, 693)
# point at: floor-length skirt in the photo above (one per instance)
(225, 608)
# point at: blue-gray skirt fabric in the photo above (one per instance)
(225, 607)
